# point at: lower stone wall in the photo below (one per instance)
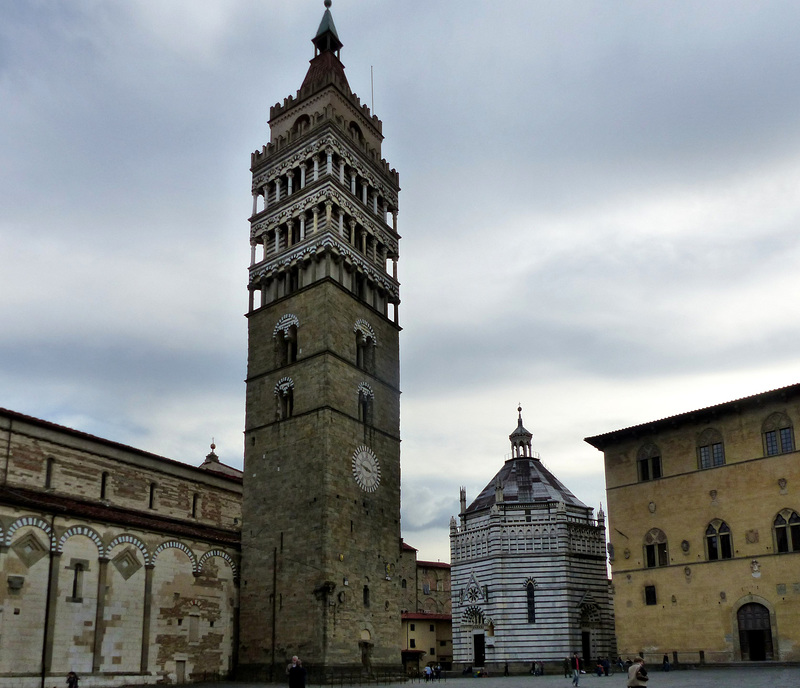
(116, 606)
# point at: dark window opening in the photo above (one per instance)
(718, 540)
(529, 591)
(787, 532)
(77, 583)
(104, 486)
(285, 404)
(48, 475)
(366, 596)
(365, 352)
(650, 468)
(650, 595)
(152, 498)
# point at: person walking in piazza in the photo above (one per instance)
(72, 680)
(567, 669)
(297, 673)
(575, 664)
(637, 674)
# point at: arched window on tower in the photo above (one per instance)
(355, 132)
(284, 398)
(366, 398)
(365, 346)
(301, 124)
(718, 541)
(284, 336)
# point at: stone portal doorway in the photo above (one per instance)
(366, 645)
(755, 632)
(479, 650)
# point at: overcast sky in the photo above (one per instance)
(600, 208)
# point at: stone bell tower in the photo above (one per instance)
(321, 531)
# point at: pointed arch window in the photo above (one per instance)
(718, 541)
(648, 462)
(778, 434)
(655, 549)
(787, 531)
(530, 596)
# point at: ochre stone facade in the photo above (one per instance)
(704, 532)
(117, 564)
(427, 623)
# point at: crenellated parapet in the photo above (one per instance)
(328, 114)
(328, 79)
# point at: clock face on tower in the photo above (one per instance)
(366, 469)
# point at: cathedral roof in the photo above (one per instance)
(524, 480)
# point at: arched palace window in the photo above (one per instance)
(787, 531)
(718, 541)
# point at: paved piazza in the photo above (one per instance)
(745, 677)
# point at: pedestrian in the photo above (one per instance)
(575, 664)
(665, 663)
(567, 670)
(296, 673)
(72, 680)
(637, 674)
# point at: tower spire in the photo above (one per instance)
(327, 39)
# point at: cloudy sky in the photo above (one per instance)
(600, 214)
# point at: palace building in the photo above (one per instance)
(704, 522)
(528, 565)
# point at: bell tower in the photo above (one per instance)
(321, 531)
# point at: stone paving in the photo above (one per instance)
(747, 676)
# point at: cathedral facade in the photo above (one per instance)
(528, 566)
